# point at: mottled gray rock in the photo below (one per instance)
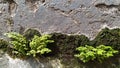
(66, 16)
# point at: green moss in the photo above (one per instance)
(29, 34)
(65, 45)
(3, 44)
(108, 37)
(82, 40)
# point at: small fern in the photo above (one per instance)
(38, 45)
(19, 43)
(104, 52)
(99, 53)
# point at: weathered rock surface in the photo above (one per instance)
(65, 16)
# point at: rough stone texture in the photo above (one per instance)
(65, 16)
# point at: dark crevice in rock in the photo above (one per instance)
(9, 1)
(61, 11)
(111, 9)
(32, 1)
(43, 1)
(103, 5)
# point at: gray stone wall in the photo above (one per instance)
(65, 16)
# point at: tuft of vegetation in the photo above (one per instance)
(38, 45)
(101, 52)
(66, 45)
(104, 52)
(19, 43)
(21, 46)
(108, 37)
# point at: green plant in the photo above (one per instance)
(19, 43)
(86, 53)
(100, 53)
(38, 45)
(21, 46)
(103, 52)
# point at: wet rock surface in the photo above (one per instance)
(65, 16)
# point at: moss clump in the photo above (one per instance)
(82, 40)
(3, 44)
(29, 34)
(108, 37)
(65, 45)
